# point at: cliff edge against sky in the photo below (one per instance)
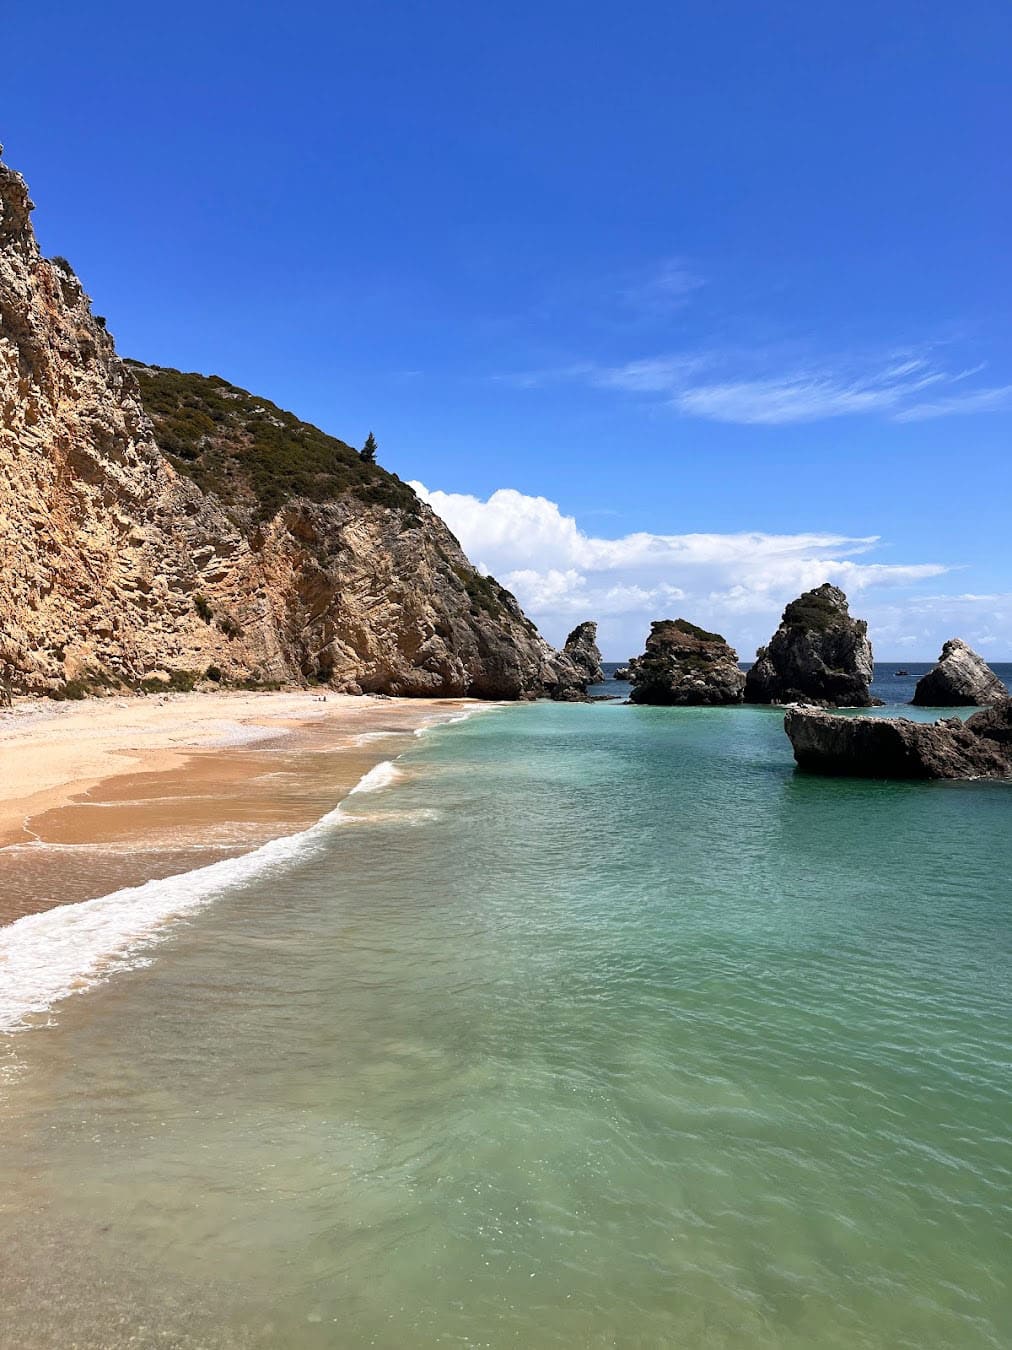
(159, 529)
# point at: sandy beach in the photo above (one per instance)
(105, 793)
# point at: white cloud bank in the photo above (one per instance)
(737, 584)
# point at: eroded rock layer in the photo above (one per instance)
(961, 678)
(895, 747)
(819, 654)
(582, 649)
(256, 549)
(684, 664)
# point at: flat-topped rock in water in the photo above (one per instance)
(582, 649)
(819, 654)
(961, 679)
(896, 747)
(685, 665)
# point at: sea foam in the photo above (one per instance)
(66, 950)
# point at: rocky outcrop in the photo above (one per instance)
(819, 654)
(960, 679)
(683, 664)
(103, 548)
(895, 747)
(255, 549)
(625, 672)
(582, 649)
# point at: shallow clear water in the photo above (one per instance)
(598, 1027)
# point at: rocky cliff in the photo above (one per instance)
(582, 649)
(684, 664)
(961, 678)
(255, 549)
(895, 747)
(819, 654)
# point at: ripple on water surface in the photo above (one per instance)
(634, 1038)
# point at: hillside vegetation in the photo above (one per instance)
(249, 452)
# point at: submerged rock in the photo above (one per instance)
(819, 654)
(896, 747)
(961, 679)
(683, 664)
(582, 649)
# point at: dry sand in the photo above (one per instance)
(105, 793)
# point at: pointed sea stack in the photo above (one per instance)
(961, 679)
(685, 665)
(582, 649)
(819, 654)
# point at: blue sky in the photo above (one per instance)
(671, 308)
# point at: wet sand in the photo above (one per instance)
(103, 794)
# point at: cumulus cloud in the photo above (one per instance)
(922, 623)
(737, 583)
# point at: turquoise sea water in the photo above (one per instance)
(597, 1026)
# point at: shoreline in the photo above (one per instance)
(98, 795)
(225, 805)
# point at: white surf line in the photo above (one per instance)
(68, 949)
(460, 715)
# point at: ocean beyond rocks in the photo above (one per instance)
(819, 654)
(895, 747)
(962, 678)
(684, 665)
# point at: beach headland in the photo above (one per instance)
(100, 794)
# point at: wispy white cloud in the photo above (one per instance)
(737, 582)
(797, 398)
(798, 395)
(973, 401)
(663, 289)
(747, 388)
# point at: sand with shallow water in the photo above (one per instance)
(103, 794)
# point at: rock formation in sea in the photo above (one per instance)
(625, 672)
(161, 530)
(961, 679)
(683, 664)
(895, 747)
(819, 654)
(582, 649)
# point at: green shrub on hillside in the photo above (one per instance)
(693, 630)
(812, 611)
(251, 453)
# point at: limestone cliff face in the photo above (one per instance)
(102, 546)
(118, 569)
